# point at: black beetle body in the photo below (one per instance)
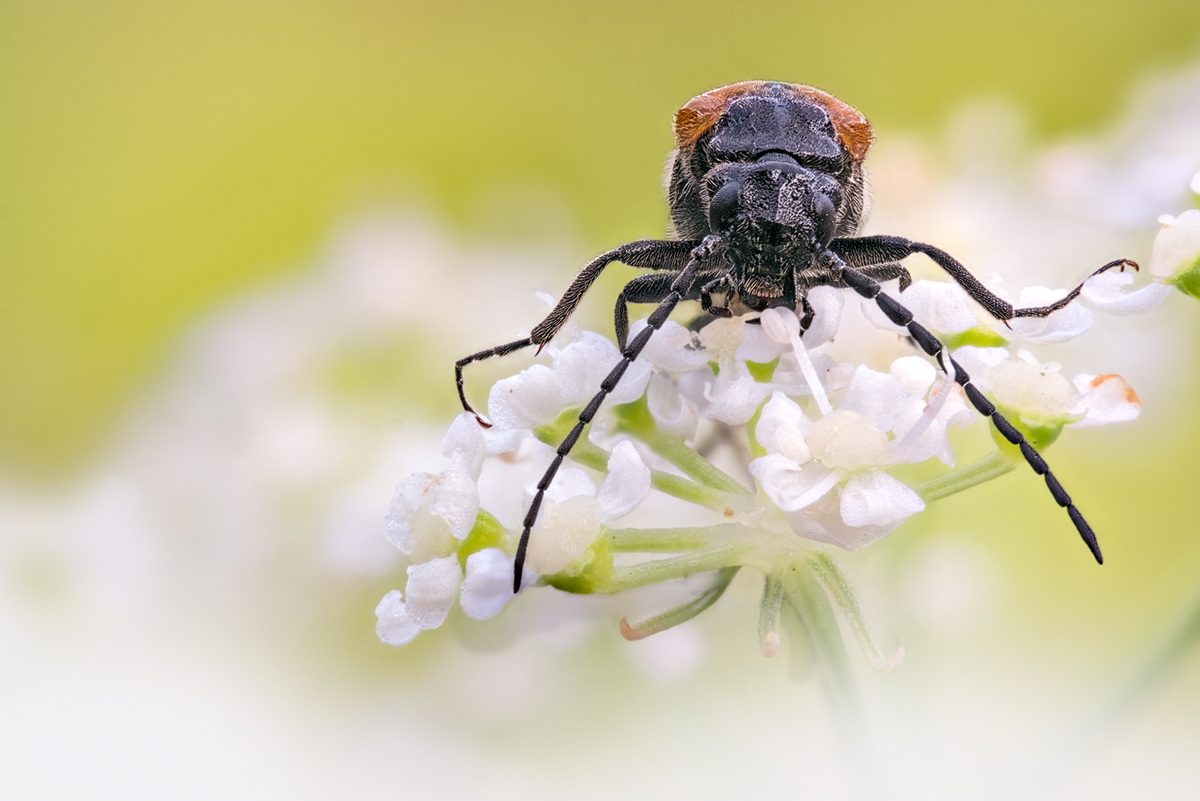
(767, 192)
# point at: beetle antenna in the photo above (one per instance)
(899, 315)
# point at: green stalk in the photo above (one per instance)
(656, 570)
(837, 584)
(994, 465)
(672, 540)
(807, 599)
(635, 418)
(768, 614)
(682, 613)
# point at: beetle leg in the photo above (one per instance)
(866, 251)
(648, 253)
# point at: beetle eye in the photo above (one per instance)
(723, 206)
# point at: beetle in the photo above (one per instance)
(767, 194)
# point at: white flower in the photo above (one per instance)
(939, 306)
(539, 394)
(428, 510)
(572, 511)
(1177, 246)
(1041, 392)
(1060, 326)
(433, 586)
(807, 459)
(1105, 291)
(848, 447)
(488, 583)
(1104, 399)
(431, 590)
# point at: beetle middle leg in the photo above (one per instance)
(652, 289)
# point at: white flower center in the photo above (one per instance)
(846, 439)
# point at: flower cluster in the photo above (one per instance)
(819, 437)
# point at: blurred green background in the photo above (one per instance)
(157, 158)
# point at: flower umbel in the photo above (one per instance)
(814, 451)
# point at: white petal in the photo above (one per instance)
(671, 348)
(582, 366)
(977, 362)
(878, 397)
(723, 336)
(504, 440)
(1105, 291)
(1066, 323)
(409, 496)
(793, 445)
(780, 410)
(915, 374)
(569, 482)
(823, 522)
(873, 498)
(1177, 246)
(465, 438)
(875, 316)
(780, 324)
(627, 483)
(673, 413)
(431, 590)
(394, 626)
(410, 523)
(1032, 388)
(563, 533)
(528, 399)
(456, 499)
(758, 347)
(735, 402)
(1106, 399)
(488, 585)
(790, 486)
(921, 428)
(827, 304)
(939, 305)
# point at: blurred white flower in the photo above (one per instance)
(1176, 255)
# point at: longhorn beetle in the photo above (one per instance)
(767, 193)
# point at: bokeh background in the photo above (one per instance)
(241, 243)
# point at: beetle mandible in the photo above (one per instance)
(767, 194)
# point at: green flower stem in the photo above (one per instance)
(994, 465)
(683, 613)
(837, 584)
(673, 540)
(768, 614)
(805, 596)
(593, 456)
(656, 570)
(635, 418)
(687, 490)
